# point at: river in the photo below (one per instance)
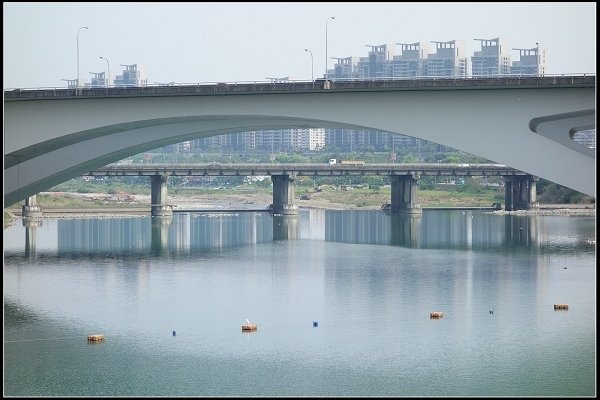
(341, 299)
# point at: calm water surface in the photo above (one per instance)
(170, 295)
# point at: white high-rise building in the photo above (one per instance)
(133, 75)
(411, 60)
(531, 62)
(99, 80)
(448, 60)
(493, 59)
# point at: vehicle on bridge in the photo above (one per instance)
(334, 161)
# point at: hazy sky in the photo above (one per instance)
(226, 42)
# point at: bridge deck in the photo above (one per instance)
(335, 85)
(324, 169)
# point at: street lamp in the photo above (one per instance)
(537, 57)
(108, 65)
(312, 66)
(83, 27)
(326, 74)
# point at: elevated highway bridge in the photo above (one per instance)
(306, 169)
(520, 189)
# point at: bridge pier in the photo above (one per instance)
(158, 197)
(520, 192)
(283, 195)
(404, 194)
(31, 209)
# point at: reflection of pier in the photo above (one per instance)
(160, 235)
(431, 230)
(405, 230)
(520, 229)
(31, 225)
(285, 227)
(369, 227)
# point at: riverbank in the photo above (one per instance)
(88, 205)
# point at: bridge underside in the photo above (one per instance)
(51, 141)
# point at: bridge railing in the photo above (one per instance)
(317, 83)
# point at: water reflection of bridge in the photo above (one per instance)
(193, 233)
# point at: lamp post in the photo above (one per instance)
(537, 57)
(79, 30)
(312, 66)
(108, 65)
(326, 74)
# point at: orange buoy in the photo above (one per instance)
(249, 327)
(436, 314)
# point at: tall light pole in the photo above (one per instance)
(79, 30)
(326, 74)
(537, 57)
(108, 65)
(312, 66)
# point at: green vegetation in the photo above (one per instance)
(8, 218)
(363, 197)
(552, 193)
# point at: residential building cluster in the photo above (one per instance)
(448, 59)
(131, 75)
(287, 140)
(345, 140)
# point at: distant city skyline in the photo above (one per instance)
(530, 61)
(227, 42)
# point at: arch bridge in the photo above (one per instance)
(53, 135)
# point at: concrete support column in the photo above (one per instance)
(520, 192)
(404, 194)
(31, 209)
(158, 196)
(283, 195)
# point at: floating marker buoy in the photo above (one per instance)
(248, 326)
(315, 323)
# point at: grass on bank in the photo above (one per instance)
(356, 197)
